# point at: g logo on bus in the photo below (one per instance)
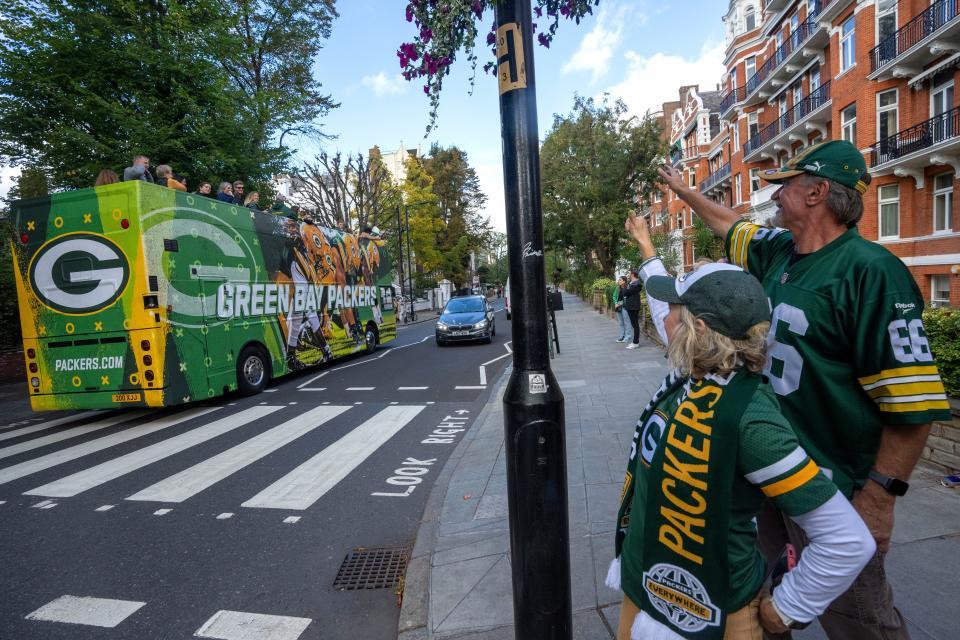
(79, 273)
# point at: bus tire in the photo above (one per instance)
(253, 371)
(370, 338)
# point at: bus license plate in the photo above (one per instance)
(126, 397)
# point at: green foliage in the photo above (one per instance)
(666, 250)
(594, 162)
(943, 331)
(603, 283)
(203, 86)
(706, 244)
(9, 311)
(580, 280)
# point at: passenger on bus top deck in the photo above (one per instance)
(106, 176)
(252, 201)
(225, 192)
(165, 178)
(204, 189)
(238, 192)
(280, 207)
(139, 171)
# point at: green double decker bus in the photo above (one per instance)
(133, 294)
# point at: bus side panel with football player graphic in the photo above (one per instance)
(136, 295)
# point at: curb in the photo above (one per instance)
(415, 610)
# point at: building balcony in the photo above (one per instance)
(812, 113)
(906, 153)
(731, 99)
(807, 42)
(718, 181)
(930, 34)
(829, 10)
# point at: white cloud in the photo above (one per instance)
(491, 182)
(652, 80)
(597, 47)
(8, 178)
(381, 85)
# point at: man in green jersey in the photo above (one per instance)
(849, 358)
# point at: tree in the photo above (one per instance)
(446, 28)
(595, 162)
(86, 84)
(706, 244)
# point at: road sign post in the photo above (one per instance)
(533, 403)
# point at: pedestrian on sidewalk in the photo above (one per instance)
(632, 304)
(712, 446)
(622, 318)
(855, 375)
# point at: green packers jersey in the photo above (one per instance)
(770, 464)
(848, 351)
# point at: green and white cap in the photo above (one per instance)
(727, 299)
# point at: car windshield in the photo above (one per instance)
(464, 305)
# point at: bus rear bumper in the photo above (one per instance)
(98, 400)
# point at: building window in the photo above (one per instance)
(693, 178)
(797, 94)
(940, 291)
(680, 219)
(943, 202)
(750, 18)
(733, 79)
(736, 136)
(848, 123)
(737, 190)
(941, 103)
(754, 180)
(753, 123)
(886, 19)
(814, 81)
(848, 44)
(817, 139)
(887, 121)
(889, 199)
(656, 195)
(749, 67)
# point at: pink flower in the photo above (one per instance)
(491, 38)
(538, 11)
(543, 40)
(478, 8)
(426, 89)
(425, 34)
(409, 13)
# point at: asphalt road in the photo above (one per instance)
(231, 519)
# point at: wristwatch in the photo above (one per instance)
(894, 486)
(787, 621)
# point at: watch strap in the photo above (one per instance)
(894, 486)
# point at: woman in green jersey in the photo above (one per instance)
(709, 449)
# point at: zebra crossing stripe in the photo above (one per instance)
(112, 469)
(86, 448)
(75, 417)
(311, 480)
(93, 612)
(69, 433)
(240, 625)
(203, 475)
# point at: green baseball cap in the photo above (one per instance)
(836, 160)
(727, 299)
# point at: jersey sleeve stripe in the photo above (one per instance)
(927, 370)
(736, 253)
(792, 482)
(780, 467)
(905, 390)
(901, 380)
(909, 407)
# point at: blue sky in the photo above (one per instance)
(639, 51)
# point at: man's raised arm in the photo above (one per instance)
(717, 216)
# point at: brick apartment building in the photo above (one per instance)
(880, 73)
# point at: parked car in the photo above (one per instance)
(466, 318)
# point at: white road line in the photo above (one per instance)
(45, 504)
(93, 612)
(360, 388)
(86, 448)
(203, 475)
(301, 386)
(3, 502)
(471, 387)
(225, 516)
(105, 507)
(46, 425)
(269, 390)
(112, 469)
(412, 388)
(314, 389)
(483, 375)
(495, 359)
(36, 443)
(162, 512)
(240, 625)
(314, 478)
(291, 520)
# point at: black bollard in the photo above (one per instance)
(533, 403)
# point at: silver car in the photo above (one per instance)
(466, 318)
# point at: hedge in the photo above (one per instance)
(943, 332)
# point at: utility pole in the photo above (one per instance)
(533, 403)
(400, 251)
(413, 313)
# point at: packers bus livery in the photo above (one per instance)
(133, 294)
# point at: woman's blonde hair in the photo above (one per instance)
(698, 349)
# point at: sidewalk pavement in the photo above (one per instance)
(458, 582)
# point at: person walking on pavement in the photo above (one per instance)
(850, 361)
(618, 309)
(709, 448)
(632, 305)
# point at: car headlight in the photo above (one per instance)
(442, 326)
(480, 325)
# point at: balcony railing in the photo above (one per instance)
(793, 42)
(936, 130)
(731, 98)
(715, 177)
(798, 112)
(922, 25)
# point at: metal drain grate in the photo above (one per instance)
(375, 568)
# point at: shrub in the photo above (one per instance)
(943, 331)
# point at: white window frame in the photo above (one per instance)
(680, 219)
(881, 201)
(736, 137)
(814, 86)
(943, 86)
(851, 124)
(797, 94)
(746, 65)
(934, 300)
(733, 79)
(878, 15)
(895, 107)
(737, 190)
(945, 195)
(848, 44)
(749, 10)
(755, 115)
(754, 180)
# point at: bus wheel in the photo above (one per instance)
(252, 373)
(370, 337)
